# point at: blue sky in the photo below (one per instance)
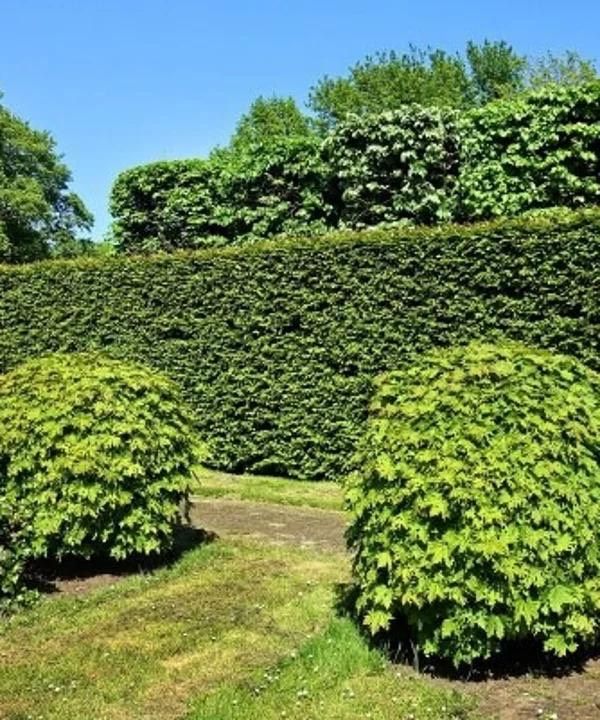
(123, 82)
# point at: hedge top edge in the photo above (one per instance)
(529, 222)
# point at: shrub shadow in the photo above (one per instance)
(51, 576)
(517, 658)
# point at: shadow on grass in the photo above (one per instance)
(516, 658)
(75, 574)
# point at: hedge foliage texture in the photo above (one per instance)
(275, 345)
(229, 199)
(476, 501)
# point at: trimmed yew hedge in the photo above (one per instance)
(275, 345)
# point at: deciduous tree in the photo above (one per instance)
(39, 215)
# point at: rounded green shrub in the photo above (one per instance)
(95, 453)
(476, 502)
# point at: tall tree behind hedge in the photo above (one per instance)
(485, 72)
(495, 71)
(39, 216)
(389, 80)
(566, 70)
(269, 121)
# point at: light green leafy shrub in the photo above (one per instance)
(96, 455)
(476, 501)
(15, 551)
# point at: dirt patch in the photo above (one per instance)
(76, 576)
(280, 524)
(81, 585)
(573, 697)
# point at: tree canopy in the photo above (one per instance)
(39, 215)
(268, 121)
(485, 72)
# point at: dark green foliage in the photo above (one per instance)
(273, 189)
(535, 151)
(95, 453)
(275, 345)
(39, 216)
(233, 198)
(415, 165)
(476, 501)
(394, 167)
(166, 206)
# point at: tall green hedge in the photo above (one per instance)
(276, 344)
(414, 165)
(233, 198)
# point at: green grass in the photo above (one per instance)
(145, 647)
(232, 630)
(334, 676)
(324, 495)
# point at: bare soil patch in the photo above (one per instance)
(74, 576)
(572, 697)
(280, 524)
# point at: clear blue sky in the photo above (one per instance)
(124, 82)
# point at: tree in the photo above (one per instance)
(268, 121)
(387, 81)
(495, 70)
(485, 72)
(39, 216)
(568, 69)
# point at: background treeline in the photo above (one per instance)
(286, 171)
(412, 165)
(276, 344)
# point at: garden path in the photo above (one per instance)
(280, 524)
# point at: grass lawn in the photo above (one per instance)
(234, 629)
(324, 495)
(334, 676)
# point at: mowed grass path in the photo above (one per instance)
(145, 647)
(235, 629)
(337, 677)
(256, 488)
